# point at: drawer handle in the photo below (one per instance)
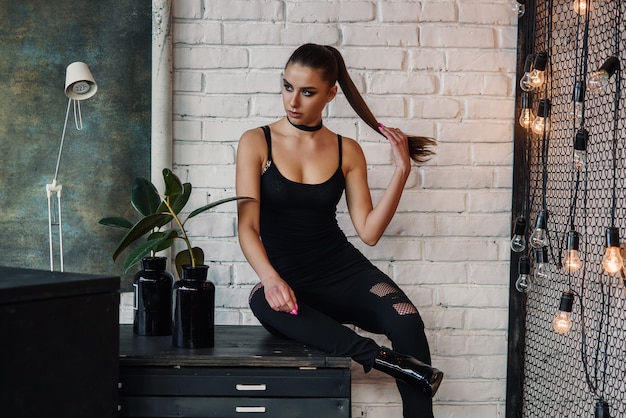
(251, 387)
(250, 409)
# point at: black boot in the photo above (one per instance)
(408, 369)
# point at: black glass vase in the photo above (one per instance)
(194, 309)
(153, 298)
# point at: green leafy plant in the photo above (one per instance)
(158, 211)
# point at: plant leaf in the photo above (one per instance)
(213, 204)
(183, 258)
(116, 222)
(169, 236)
(144, 196)
(179, 201)
(173, 185)
(142, 250)
(141, 228)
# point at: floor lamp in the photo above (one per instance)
(79, 85)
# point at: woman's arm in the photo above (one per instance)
(251, 153)
(370, 222)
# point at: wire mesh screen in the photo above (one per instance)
(581, 372)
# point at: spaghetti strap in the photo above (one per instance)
(340, 157)
(268, 139)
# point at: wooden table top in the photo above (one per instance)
(235, 345)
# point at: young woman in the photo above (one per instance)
(312, 280)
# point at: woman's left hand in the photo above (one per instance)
(399, 145)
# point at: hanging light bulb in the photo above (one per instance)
(599, 80)
(539, 237)
(580, 148)
(518, 242)
(523, 283)
(526, 116)
(562, 322)
(612, 260)
(537, 76)
(578, 99)
(541, 123)
(543, 270)
(581, 7)
(525, 82)
(571, 256)
(518, 7)
(533, 79)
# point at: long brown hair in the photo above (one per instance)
(333, 69)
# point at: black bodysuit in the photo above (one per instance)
(333, 282)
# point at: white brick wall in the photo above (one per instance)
(441, 68)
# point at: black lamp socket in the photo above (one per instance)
(578, 96)
(541, 61)
(520, 226)
(610, 66)
(541, 256)
(567, 302)
(612, 237)
(543, 108)
(542, 220)
(573, 239)
(580, 140)
(602, 409)
(526, 100)
(523, 265)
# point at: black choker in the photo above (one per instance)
(305, 127)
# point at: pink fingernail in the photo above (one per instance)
(295, 311)
(380, 125)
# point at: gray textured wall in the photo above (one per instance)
(38, 39)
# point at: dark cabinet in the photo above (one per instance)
(60, 344)
(248, 373)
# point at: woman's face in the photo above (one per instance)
(305, 94)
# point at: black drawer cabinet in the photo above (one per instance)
(247, 374)
(59, 345)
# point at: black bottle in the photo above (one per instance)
(194, 309)
(153, 298)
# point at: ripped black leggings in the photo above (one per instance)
(371, 301)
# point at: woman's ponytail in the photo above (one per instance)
(420, 147)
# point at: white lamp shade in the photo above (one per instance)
(79, 83)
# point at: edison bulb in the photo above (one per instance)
(523, 283)
(539, 237)
(526, 115)
(571, 256)
(543, 269)
(581, 7)
(612, 260)
(540, 125)
(580, 148)
(572, 261)
(517, 8)
(579, 158)
(526, 83)
(577, 112)
(599, 80)
(562, 322)
(526, 118)
(518, 242)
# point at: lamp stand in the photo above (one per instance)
(55, 188)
